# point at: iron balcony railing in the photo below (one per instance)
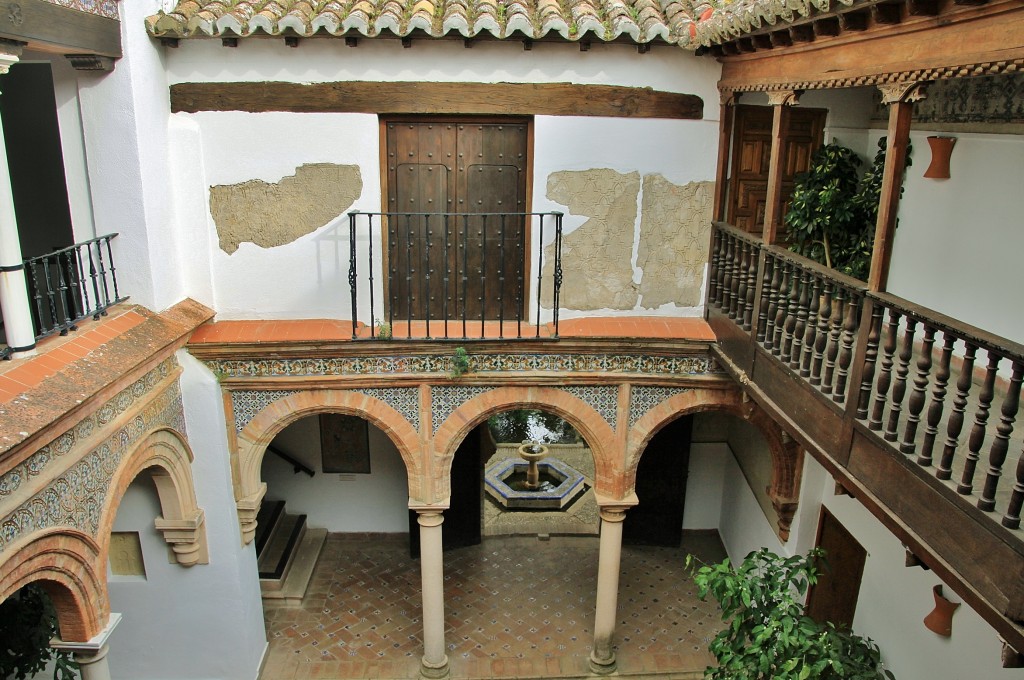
(70, 284)
(454, 275)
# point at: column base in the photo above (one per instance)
(430, 671)
(605, 666)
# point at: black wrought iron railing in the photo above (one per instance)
(70, 284)
(455, 275)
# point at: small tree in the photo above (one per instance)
(27, 623)
(768, 636)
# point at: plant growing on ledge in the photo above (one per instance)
(460, 363)
(768, 636)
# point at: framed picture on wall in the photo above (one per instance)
(344, 443)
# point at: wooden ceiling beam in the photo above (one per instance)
(829, 26)
(923, 8)
(887, 14)
(763, 41)
(781, 38)
(854, 21)
(802, 33)
(746, 45)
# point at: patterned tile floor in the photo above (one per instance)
(515, 607)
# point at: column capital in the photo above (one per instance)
(614, 509)
(904, 91)
(784, 97)
(10, 53)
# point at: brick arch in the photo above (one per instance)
(597, 433)
(166, 454)
(268, 423)
(784, 489)
(66, 563)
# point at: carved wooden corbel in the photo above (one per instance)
(1011, 658)
(728, 97)
(904, 91)
(90, 62)
(784, 97)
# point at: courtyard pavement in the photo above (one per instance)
(515, 607)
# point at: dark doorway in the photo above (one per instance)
(752, 143)
(661, 488)
(834, 597)
(463, 520)
(466, 266)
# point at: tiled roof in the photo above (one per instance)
(640, 21)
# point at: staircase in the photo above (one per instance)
(286, 553)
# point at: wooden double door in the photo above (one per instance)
(751, 153)
(456, 233)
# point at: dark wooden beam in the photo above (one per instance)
(730, 48)
(291, 41)
(854, 21)
(716, 51)
(922, 8)
(725, 125)
(50, 26)
(746, 45)
(584, 46)
(970, 3)
(467, 43)
(773, 201)
(351, 41)
(801, 34)
(763, 41)
(527, 45)
(407, 42)
(889, 201)
(90, 62)
(229, 42)
(828, 26)
(643, 48)
(553, 99)
(781, 38)
(887, 14)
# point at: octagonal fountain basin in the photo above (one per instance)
(560, 484)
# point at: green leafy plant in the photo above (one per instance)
(384, 331)
(27, 623)
(460, 363)
(768, 636)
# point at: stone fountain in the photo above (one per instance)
(535, 483)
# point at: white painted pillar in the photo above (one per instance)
(435, 661)
(602, 658)
(14, 304)
(91, 656)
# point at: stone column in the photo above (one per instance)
(435, 661)
(91, 656)
(21, 336)
(602, 658)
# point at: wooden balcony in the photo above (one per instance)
(912, 411)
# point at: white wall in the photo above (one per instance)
(309, 275)
(705, 484)
(377, 502)
(958, 244)
(203, 622)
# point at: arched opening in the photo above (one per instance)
(28, 621)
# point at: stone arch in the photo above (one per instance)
(67, 564)
(268, 423)
(598, 434)
(787, 457)
(167, 455)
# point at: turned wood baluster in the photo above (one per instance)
(846, 347)
(821, 341)
(737, 277)
(716, 266)
(885, 377)
(899, 388)
(773, 302)
(767, 278)
(870, 357)
(931, 428)
(727, 274)
(748, 306)
(835, 329)
(800, 324)
(811, 328)
(1012, 517)
(780, 315)
(1001, 444)
(977, 438)
(956, 417)
(740, 298)
(917, 396)
(792, 309)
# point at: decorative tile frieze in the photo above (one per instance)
(247, 403)
(405, 400)
(643, 398)
(71, 440)
(481, 363)
(102, 8)
(444, 400)
(76, 498)
(604, 399)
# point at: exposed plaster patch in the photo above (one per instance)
(272, 215)
(674, 236)
(596, 268)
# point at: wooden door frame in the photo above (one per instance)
(383, 120)
(817, 543)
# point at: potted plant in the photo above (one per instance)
(768, 636)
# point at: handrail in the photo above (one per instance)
(297, 465)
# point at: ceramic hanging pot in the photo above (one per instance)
(942, 148)
(940, 620)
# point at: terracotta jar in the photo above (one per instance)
(940, 620)
(942, 148)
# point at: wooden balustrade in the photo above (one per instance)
(828, 330)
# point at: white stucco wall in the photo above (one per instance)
(704, 485)
(307, 278)
(203, 622)
(375, 502)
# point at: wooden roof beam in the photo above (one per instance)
(763, 41)
(854, 21)
(887, 14)
(746, 45)
(781, 38)
(829, 26)
(923, 8)
(802, 33)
